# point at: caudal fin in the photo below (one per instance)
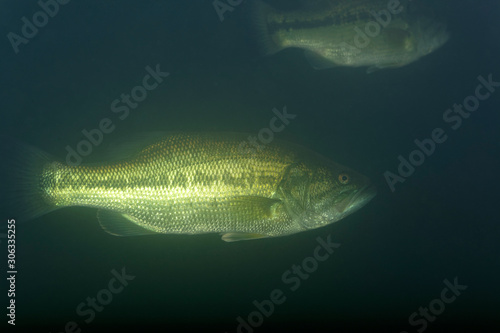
(259, 14)
(25, 199)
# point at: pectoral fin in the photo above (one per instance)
(251, 208)
(397, 37)
(239, 236)
(256, 208)
(120, 224)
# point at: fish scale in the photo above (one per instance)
(353, 33)
(178, 185)
(193, 183)
(325, 13)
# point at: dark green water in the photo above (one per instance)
(395, 253)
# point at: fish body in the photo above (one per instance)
(353, 33)
(208, 183)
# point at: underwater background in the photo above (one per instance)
(440, 224)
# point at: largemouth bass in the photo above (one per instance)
(373, 33)
(203, 183)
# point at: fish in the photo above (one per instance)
(376, 34)
(198, 183)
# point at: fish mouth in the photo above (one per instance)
(359, 199)
(439, 33)
(434, 35)
(364, 195)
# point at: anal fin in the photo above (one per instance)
(318, 61)
(118, 224)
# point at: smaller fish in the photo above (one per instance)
(354, 33)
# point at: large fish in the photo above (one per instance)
(202, 183)
(373, 33)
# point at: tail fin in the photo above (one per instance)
(259, 18)
(25, 199)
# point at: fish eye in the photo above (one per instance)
(344, 178)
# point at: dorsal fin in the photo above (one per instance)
(133, 144)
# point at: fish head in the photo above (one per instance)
(318, 194)
(430, 34)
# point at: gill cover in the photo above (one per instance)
(294, 192)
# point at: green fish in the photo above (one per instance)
(373, 33)
(201, 183)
